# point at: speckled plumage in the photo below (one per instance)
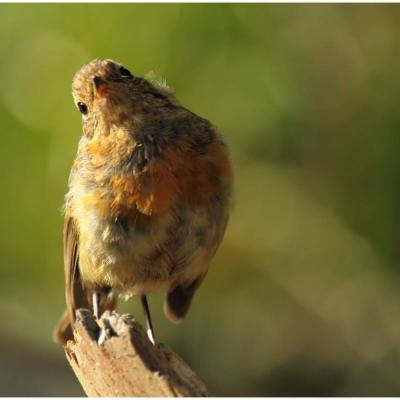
(149, 192)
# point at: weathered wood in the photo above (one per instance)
(113, 357)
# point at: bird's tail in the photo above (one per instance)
(63, 330)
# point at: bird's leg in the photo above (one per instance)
(149, 325)
(95, 300)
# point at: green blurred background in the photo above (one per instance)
(302, 298)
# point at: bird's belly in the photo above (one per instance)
(132, 260)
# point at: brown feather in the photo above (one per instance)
(178, 299)
(75, 294)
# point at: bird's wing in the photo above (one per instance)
(76, 294)
(178, 299)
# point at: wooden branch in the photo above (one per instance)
(114, 358)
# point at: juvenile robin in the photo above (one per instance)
(148, 200)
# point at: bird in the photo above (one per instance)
(149, 197)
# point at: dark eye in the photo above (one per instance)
(83, 108)
(124, 72)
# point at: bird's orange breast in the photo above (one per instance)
(178, 174)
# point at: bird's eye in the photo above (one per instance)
(83, 108)
(125, 73)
